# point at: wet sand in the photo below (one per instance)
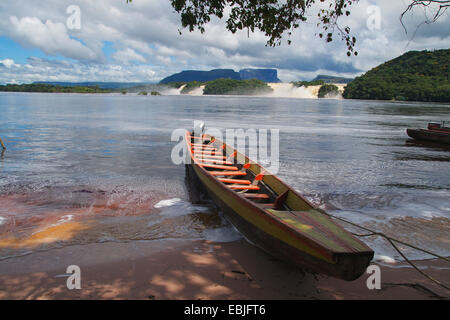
(180, 269)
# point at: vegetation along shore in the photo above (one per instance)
(414, 76)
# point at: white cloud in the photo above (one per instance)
(8, 63)
(37, 69)
(50, 37)
(146, 32)
(127, 55)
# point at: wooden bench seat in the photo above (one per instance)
(260, 196)
(216, 161)
(243, 187)
(237, 181)
(223, 167)
(227, 173)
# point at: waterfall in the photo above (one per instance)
(197, 91)
(288, 90)
(280, 90)
(173, 91)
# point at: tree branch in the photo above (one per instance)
(439, 5)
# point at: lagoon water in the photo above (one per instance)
(95, 168)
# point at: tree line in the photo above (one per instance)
(41, 87)
(414, 76)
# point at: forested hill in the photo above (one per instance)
(414, 76)
(332, 79)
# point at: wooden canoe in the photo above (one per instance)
(272, 215)
(435, 135)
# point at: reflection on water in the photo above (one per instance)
(93, 168)
(412, 109)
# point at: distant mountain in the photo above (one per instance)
(414, 76)
(202, 76)
(101, 85)
(266, 75)
(332, 79)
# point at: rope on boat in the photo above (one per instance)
(392, 242)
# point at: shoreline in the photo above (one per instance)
(133, 94)
(198, 269)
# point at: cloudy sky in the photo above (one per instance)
(140, 42)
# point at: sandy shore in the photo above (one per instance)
(173, 269)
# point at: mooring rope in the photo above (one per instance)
(391, 241)
(2, 145)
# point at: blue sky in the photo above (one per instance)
(136, 42)
(9, 48)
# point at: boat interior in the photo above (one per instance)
(239, 174)
(439, 127)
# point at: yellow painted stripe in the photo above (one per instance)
(338, 231)
(310, 230)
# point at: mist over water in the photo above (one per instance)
(93, 168)
(288, 90)
(173, 91)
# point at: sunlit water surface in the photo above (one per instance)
(93, 168)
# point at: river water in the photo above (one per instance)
(96, 168)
